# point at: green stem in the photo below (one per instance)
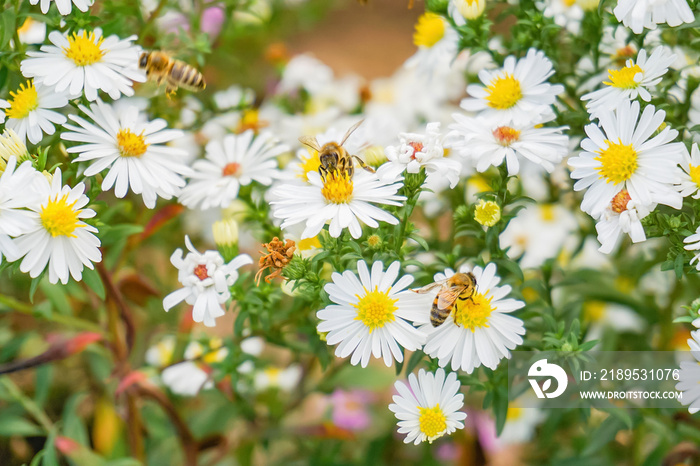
(70, 321)
(28, 404)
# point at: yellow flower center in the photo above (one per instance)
(593, 311)
(201, 272)
(309, 164)
(504, 92)
(694, 172)
(231, 169)
(505, 135)
(619, 202)
(514, 412)
(547, 212)
(59, 218)
(26, 26)
(337, 187)
(131, 144)
(165, 351)
(618, 162)
(429, 30)
(309, 243)
(624, 78)
(374, 241)
(487, 213)
(569, 2)
(432, 422)
(474, 312)
(375, 308)
(22, 102)
(85, 49)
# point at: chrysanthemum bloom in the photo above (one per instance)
(206, 280)
(690, 178)
(28, 112)
(424, 150)
(437, 42)
(566, 13)
(516, 93)
(235, 161)
(86, 61)
(339, 198)
(14, 197)
(58, 236)
(479, 330)
(372, 315)
(689, 375)
(623, 215)
(622, 154)
(32, 32)
(488, 142)
(133, 149)
(64, 6)
(632, 81)
(462, 10)
(428, 406)
(640, 14)
(275, 377)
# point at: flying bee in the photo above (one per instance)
(460, 286)
(160, 67)
(333, 156)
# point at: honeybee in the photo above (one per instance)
(160, 67)
(333, 155)
(460, 286)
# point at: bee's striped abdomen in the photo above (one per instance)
(186, 76)
(437, 315)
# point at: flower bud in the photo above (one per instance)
(487, 213)
(226, 238)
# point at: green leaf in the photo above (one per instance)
(44, 375)
(94, 282)
(604, 434)
(416, 359)
(12, 424)
(423, 243)
(8, 27)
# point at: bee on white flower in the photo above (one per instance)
(58, 237)
(479, 331)
(28, 111)
(206, 279)
(640, 14)
(634, 80)
(132, 148)
(518, 92)
(86, 62)
(428, 407)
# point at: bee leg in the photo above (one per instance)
(170, 91)
(323, 171)
(363, 164)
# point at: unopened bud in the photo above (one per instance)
(226, 238)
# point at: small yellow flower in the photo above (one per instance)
(487, 213)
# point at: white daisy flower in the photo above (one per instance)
(566, 13)
(622, 154)
(518, 92)
(632, 81)
(64, 6)
(488, 142)
(133, 149)
(462, 10)
(206, 280)
(32, 32)
(690, 177)
(186, 378)
(372, 315)
(623, 215)
(340, 199)
(28, 112)
(424, 150)
(273, 377)
(479, 330)
(58, 237)
(15, 220)
(437, 42)
(640, 14)
(689, 375)
(86, 62)
(428, 406)
(235, 161)
(693, 244)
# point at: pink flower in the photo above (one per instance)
(350, 409)
(212, 20)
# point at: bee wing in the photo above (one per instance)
(428, 288)
(351, 130)
(448, 297)
(311, 142)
